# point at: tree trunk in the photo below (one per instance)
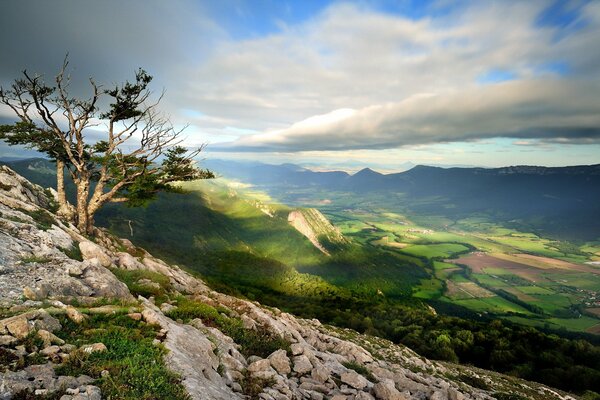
(65, 209)
(83, 219)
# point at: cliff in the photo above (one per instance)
(102, 318)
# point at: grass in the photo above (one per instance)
(442, 250)
(132, 280)
(35, 259)
(44, 220)
(135, 365)
(260, 342)
(361, 369)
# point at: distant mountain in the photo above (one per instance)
(558, 201)
(562, 202)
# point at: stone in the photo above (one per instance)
(280, 361)
(454, 394)
(385, 389)
(258, 366)
(297, 349)
(50, 351)
(166, 307)
(91, 250)
(363, 396)
(135, 316)
(439, 395)
(19, 327)
(49, 338)
(74, 315)
(7, 340)
(354, 379)
(320, 374)
(93, 348)
(302, 365)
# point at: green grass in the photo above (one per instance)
(136, 367)
(260, 342)
(435, 250)
(496, 305)
(132, 280)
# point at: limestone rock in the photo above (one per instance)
(281, 362)
(385, 389)
(93, 348)
(302, 365)
(354, 379)
(90, 250)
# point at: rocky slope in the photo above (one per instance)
(316, 227)
(55, 284)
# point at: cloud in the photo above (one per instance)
(520, 109)
(349, 77)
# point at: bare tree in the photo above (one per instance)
(140, 156)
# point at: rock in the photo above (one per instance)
(297, 349)
(438, 395)
(320, 374)
(91, 250)
(302, 365)
(354, 379)
(247, 322)
(49, 338)
(166, 307)
(50, 351)
(7, 340)
(386, 390)
(259, 366)
(135, 316)
(74, 315)
(363, 396)
(93, 348)
(19, 327)
(454, 394)
(127, 261)
(281, 362)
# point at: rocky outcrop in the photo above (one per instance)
(315, 226)
(40, 267)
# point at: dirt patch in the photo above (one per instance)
(595, 311)
(478, 262)
(594, 329)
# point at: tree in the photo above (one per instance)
(140, 156)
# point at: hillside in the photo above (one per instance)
(559, 202)
(315, 226)
(106, 319)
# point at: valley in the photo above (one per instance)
(469, 290)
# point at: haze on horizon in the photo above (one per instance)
(339, 83)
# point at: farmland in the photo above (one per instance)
(477, 263)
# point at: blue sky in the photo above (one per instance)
(326, 82)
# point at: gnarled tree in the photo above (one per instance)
(140, 155)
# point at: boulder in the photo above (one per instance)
(354, 379)
(386, 390)
(281, 362)
(93, 348)
(302, 365)
(90, 250)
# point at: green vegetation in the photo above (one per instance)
(361, 369)
(42, 218)
(135, 365)
(35, 259)
(260, 342)
(145, 283)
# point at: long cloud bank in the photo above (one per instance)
(542, 109)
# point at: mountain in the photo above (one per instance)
(559, 202)
(106, 319)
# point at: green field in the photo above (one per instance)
(435, 250)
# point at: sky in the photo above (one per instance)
(338, 84)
